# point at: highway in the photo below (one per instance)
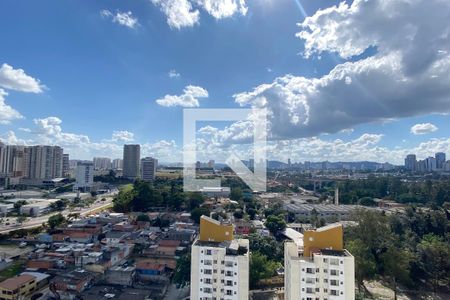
(98, 205)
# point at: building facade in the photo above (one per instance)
(411, 162)
(131, 161)
(102, 163)
(18, 287)
(318, 267)
(84, 176)
(440, 160)
(148, 168)
(219, 263)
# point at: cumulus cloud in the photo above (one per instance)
(423, 128)
(179, 13)
(7, 113)
(223, 8)
(123, 18)
(408, 75)
(122, 136)
(174, 74)
(49, 131)
(189, 98)
(185, 13)
(18, 80)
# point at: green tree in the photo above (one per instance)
(275, 224)
(143, 218)
(434, 255)
(261, 268)
(56, 220)
(183, 269)
(236, 194)
(365, 266)
(196, 213)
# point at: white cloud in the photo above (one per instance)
(184, 13)
(7, 113)
(408, 76)
(123, 18)
(223, 8)
(10, 138)
(18, 80)
(179, 13)
(423, 128)
(49, 131)
(189, 98)
(122, 136)
(174, 74)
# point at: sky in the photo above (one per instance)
(340, 81)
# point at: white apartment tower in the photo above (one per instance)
(148, 168)
(219, 263)
(316, 267)
(84, 176)
(131, 161)
(102, 163)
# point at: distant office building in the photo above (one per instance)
(13, 161)
(430, 163)
(148, 168)
(440, 160)
(44, 162)
(447, 166)
(66, 165)
(84, 176)
(211, 164)
(131, 161)
(219, 263)
(316, 266)
(198, 165)
(117, 164)
(411, 162)
(102, 163)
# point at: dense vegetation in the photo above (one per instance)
(410, 249)
(430, 191)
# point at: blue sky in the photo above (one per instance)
(100, 66)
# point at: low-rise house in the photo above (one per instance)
(242, 227)
(115, 237)
(119, 275)
(17, 287)
(147, 270)
(71, 283)
(184, 235)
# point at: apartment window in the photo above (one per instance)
(228, 273)
(208, 280)
(215, 261)
(334, 282)
(208, 271)
(334, 272)
(309, 290)
(228, 264)
(229, 292)
(334, 293)
(334, 262)
(310, 280)
(207, 290)
(208, 252)
(208, 262)
(229, 283)
(325, 260)
(310, 270)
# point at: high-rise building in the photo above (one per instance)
(211, 164)
(411, 162)
(131, 161)
(102, 163)
(430, 163)
(148, 168)
(84, 176)
(219, 263)
(66, 165)
(316, 266)
(440, 160)
(44, 162)
(117, 164)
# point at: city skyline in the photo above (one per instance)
(135, 92)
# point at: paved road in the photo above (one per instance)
(36, 222)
